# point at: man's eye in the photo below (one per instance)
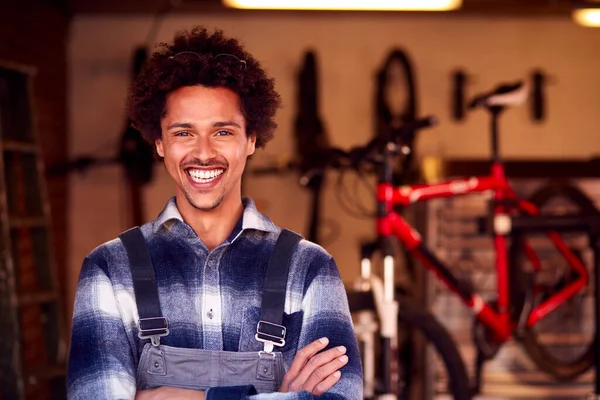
(183, 133)
(223, 133)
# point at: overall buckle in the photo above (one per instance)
(153, 328)
(270, 334)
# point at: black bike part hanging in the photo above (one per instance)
(538, 98)
(311, 140)
(387, 118)
(459, 82)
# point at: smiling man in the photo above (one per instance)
(211, 299)
(204, 145)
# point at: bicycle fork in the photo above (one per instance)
(386, 309)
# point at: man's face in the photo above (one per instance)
(204, 144)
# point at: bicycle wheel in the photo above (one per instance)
(568, 351)
(421, 323)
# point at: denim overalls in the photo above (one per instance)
(199, 369)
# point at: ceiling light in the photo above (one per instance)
(587, 14)
(350, 5)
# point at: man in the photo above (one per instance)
(180, 313)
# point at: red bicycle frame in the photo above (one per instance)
(390, 223)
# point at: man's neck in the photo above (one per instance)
(212, 227)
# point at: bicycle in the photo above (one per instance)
(515, 311)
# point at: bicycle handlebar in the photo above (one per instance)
(336, 157)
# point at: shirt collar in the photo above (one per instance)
(251, 218)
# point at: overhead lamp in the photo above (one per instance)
(347, 5)
(587, 14)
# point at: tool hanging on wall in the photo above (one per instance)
(311, 144)
(460, 80)
(538, 95)
(311, 140)
(396, 105)
(32, 334)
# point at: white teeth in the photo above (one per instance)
(204, 176)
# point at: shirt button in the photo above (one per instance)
(210, 314)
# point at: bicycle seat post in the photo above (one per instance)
(506, 95)
(495, 116)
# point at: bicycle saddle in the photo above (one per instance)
(505, 95)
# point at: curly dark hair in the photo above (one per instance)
(198, 57)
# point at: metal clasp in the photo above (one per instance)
(153, 328)
(270, 334)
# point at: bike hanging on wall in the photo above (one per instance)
(522, 302)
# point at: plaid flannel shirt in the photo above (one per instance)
(210, 299)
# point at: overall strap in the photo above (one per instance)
(270, 329)
(151, 323)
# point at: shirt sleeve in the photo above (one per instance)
(101, 365)
(326, 314)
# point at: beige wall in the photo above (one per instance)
(350, 49)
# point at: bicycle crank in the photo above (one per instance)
(484, 339)
(487, 348)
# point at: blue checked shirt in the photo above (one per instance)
(211, 300)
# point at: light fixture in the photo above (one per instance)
(349, 5)
(587, 14)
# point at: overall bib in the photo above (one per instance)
(199, 369)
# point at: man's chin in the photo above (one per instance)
(205, 204)
(206, 207)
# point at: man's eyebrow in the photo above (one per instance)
(184, 125)
(187, 125)
(223, 124)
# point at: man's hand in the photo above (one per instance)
(167, 392)
(315, 373)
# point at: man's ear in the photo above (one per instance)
(159, 147)
(251, 145)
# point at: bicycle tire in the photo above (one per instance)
(560, 369)
(412, 316)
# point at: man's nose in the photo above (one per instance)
(204, 148)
